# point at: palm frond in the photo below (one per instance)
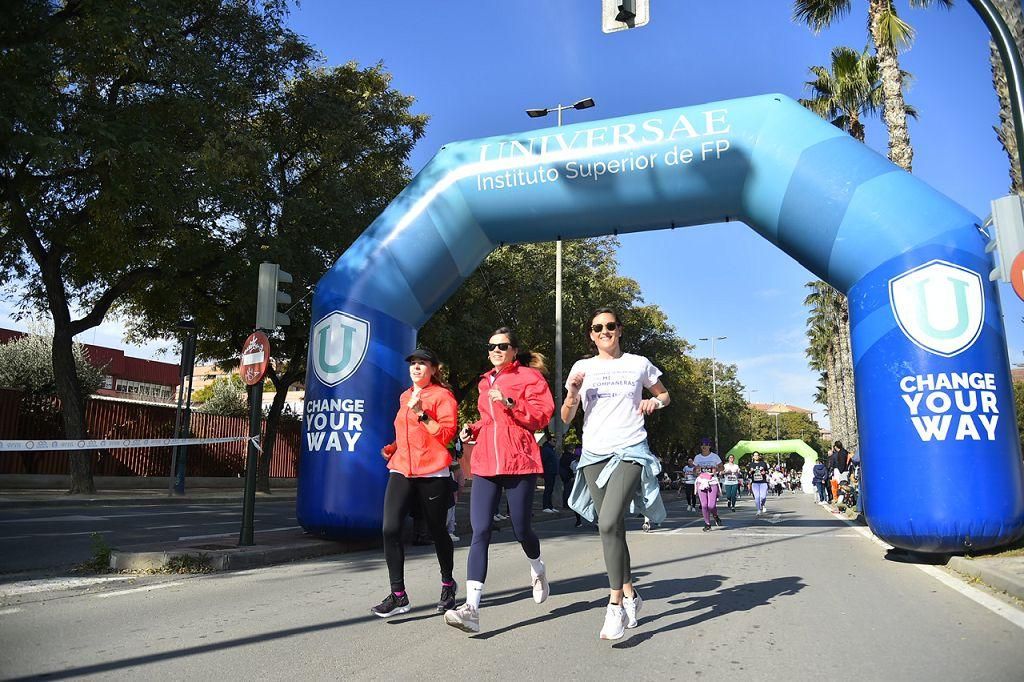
(819, 14)
(895, 32)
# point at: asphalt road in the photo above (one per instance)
(49, 538)
(796, 595)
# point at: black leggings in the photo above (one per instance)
(691, 494)
(434, 497)
(483, 505)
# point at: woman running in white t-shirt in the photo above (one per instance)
(616, 467)
(731, 474)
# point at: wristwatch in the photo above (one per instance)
(423, 417)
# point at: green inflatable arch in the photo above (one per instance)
(782, 447)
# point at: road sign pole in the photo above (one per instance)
(253, 368)
(251, 463)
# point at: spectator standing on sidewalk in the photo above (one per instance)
(820, 480)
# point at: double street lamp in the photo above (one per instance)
(714, 380)
(559, 427)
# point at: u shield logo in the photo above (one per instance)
(939, 306)
(338, 347)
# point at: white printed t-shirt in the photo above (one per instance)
(611, 395)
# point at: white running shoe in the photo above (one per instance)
(632, 607)
(614, 622)
(541, 589)
(465, 618)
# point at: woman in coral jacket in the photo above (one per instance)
(514, 402)
(419, 459)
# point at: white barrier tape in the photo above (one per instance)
(40, 445)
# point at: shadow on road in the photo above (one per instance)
(730, 600)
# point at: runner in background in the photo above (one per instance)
(759, 481)
(617, 472)
(732, 480)
(709, 464)
(514, 402)
(689, 481)
(419, 475)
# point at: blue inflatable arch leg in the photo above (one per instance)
(940, 451)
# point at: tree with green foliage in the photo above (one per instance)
(323, 156)
(26, 365)
(889, 34)
(226, 397)
(118, 152)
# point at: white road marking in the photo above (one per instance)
(227, 535)
(50, 584)
(133, 590)
(177, 525)
(7, 612)
(54, 535)
(48, 519)
(1010, 613)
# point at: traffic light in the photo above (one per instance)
(620, 15)
(268, 297)
(1008, 235)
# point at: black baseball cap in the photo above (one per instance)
(424, 354)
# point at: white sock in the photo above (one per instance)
(474, 590)
(536, 566)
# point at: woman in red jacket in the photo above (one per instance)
(419, 459)
(514, 402)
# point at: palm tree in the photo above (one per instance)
(849, 92)
(828, 351)
(1013, 15)
(844, 95)
(889, 34)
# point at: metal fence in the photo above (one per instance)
(23, 419)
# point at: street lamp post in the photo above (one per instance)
(775, 413)
(750, 402)
(559, 426)
(714, 381)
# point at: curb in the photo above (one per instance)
(234, 558)
(999, 579)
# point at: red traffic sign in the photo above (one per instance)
(1017, 275)
(255, 358)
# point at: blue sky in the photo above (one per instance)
(474, 67)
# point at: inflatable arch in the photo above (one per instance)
(782, 447)
(934, 394)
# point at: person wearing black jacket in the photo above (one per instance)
(820, 480)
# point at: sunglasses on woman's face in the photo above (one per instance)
(500, 346)
(598, 328)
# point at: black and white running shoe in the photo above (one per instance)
(391, 606)
(447, 600)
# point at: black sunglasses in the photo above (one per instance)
(598, 328)
(500, 346)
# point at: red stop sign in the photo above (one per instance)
(1017, 275)
(255, 358)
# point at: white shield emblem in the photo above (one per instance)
(939, 306)
(339, 346)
